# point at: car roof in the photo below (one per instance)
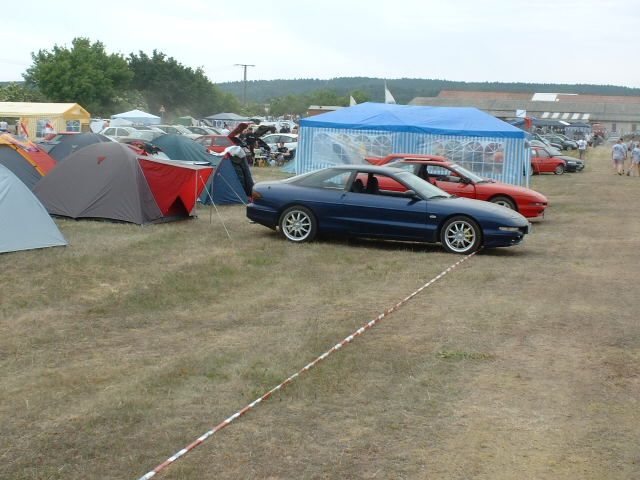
(367, 169)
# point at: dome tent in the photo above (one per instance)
(25, 159)
(108, 180)
(181, 148)
(67, 144)
(24, 223)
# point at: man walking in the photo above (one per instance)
(618, 155)
(582, 147)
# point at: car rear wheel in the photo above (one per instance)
(504, 201)
(460, 235)
(559, 170)
(297, 224)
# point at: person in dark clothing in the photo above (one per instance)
(239, 161)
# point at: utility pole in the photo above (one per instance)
(244, 87)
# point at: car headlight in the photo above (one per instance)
(537, 204)
(509, 229)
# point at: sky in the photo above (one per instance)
(561, 41)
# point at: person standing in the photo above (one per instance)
(582, 147)
(618, 154)
(634, 169)
(4, 126)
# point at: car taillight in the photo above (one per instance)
(255, 196)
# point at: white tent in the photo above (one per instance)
(138, 116)
(24, 223)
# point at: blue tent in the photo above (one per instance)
(138, 116)
(223, 186)
(24, 222)
(482, 143)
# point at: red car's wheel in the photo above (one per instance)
(504, 201)
(559, 170)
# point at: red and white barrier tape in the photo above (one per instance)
(306, 368)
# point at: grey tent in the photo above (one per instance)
(24, 223)
(226, 116)
(67, 144)
(109, 180)
(103, 180)
(181, 148)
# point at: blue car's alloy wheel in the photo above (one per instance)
(460, 235)
(298, 224)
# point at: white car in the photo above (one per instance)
(120, 134)
(203, 130)
(178, 130)
(290, 140)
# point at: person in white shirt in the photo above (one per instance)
(4, 126)
(582, 147)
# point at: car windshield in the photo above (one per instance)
(181, 129)
(467, 173)
(420, 186)
(554, 151)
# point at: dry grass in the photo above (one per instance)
(126, 346)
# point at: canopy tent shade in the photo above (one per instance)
(225, 120)
(138, 116)
(24, 223)
(484, 144)
(108, 180)
(34, 116)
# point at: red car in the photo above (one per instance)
(215, 143)
(543, 162)
(456, 180)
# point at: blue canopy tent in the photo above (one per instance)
(468, 136)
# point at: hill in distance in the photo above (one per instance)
(404, 89)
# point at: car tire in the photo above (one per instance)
(559, 170)
(298, 224)
(505, 202)
(532, 171)
(461, 235)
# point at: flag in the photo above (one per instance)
(388, 98)
(352, 101)
(23, 127)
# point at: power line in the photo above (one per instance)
(244, 87)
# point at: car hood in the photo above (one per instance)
(481, 209)
(499, 188)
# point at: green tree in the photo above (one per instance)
(164, 81)
(84, 74)
(19, 92)
(360, 96)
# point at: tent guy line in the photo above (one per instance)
(305, 369)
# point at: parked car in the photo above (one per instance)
(347, 200)
(177, 130)
(563, 141)
(204, 130)
(122, 134)
(546, 142)
(290, 141)
(544, 160)
(457, 180)
(149, 133)
(215, 143)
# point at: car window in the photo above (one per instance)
(110, 131)
(329, 179)
(270, 139)
(204, 141)
(543, 154)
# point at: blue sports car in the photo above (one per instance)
(347, 200)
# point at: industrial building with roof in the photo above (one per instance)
(617, 114)
(63, 117)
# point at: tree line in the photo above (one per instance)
(106, 83)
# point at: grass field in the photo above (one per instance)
(523, 363)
